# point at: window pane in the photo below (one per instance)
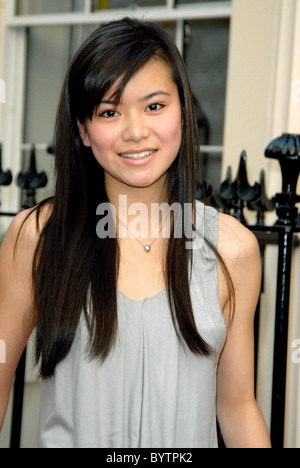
(131, 4)
(182, 2)
(39, 7)
(206, 56)
(48, 60)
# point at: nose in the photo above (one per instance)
(135, 129)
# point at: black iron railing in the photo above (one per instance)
(232, 197)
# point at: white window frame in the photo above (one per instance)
(14, 53)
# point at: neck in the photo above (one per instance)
(123, 196)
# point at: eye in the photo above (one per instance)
(155, 107)
(109, 114)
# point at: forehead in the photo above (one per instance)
(152, 77)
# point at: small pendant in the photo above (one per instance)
(147, 248)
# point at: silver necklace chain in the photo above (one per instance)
(147, 247)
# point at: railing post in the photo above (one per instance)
(286, 149)
(232, 197)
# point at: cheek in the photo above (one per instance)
(171, 134)
(101, 145)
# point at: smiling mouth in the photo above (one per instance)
(142, 155)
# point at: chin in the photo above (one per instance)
(146, 182)
(142, 184)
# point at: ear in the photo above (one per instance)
(83, 134)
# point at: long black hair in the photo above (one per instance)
(74, 272)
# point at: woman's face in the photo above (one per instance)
(137, 142)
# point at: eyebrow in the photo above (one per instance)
(155, 93)
(145, 98)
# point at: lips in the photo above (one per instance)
(137, 155)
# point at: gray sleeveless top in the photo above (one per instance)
(152, 391)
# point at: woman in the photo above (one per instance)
(140, 339)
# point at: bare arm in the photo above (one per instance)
(240, 419)
(17, 314)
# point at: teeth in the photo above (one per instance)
(137, 156)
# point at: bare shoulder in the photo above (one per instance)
(19, 244)
(16, 262)
(26, 227)
(22, 233)
(240, 252)
(236, 243)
